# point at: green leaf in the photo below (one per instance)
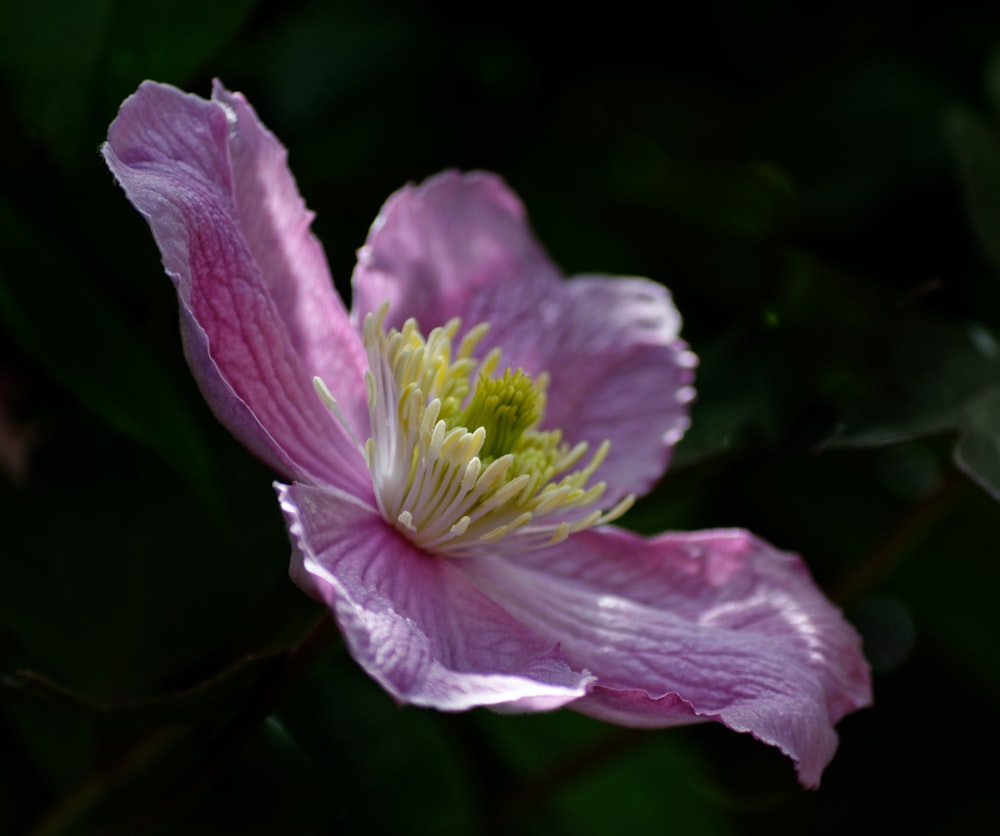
(937, 376)
(978, 450)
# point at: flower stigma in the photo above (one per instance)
(458, 463)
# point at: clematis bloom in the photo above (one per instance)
(456, 446)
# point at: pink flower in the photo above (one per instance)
(454, 518)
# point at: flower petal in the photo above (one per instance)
(456, 245)
(713, 625)
(619, 371)
(460, 245)
(411, 620)
(259, 314)
(276, 227)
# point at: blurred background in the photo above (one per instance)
(819, 187)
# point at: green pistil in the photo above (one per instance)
(506, 408)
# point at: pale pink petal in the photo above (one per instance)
(412, 620)
(456, 245)
(618, 371)
(460, 245)
(276, 226)
(208, 179)
(713, 625)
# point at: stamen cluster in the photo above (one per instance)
(458, 462)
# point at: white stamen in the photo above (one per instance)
(331, 402)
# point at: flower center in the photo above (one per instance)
(457, 460)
